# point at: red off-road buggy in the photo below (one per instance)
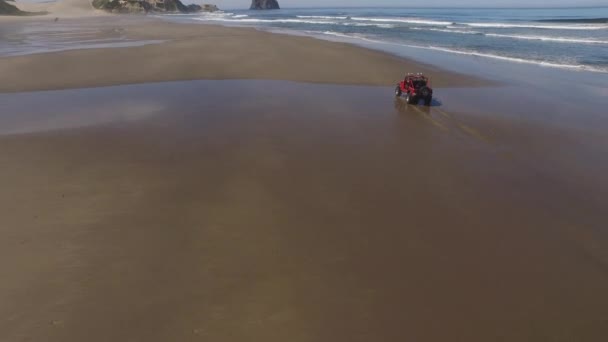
(415, 87)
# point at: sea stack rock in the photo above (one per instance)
(264, 4)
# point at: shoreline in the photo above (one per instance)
(236, 53)
(396, 49)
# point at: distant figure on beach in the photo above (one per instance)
(56, 19)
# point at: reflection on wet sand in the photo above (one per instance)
(438, 118)
(35, 37)
(340, 214)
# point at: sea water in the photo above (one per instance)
(567, 38)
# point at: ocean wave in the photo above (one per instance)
(473, 53)
(445, 30)
(245, 20)
(550, 39)
(208, 14)
(405, 21)
(580, 21)
(388, 26)
(322, 17)
(515, 59)
(535, 26)
(252, 20)
(300, 20)
(337, 34)
(513, 36)
(372, 21)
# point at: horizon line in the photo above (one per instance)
(436, 7)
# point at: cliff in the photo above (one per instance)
(145, 6)
(8, 9)
(264, 4)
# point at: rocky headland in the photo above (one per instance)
(10, 9)
(264, 4)
(145, 6)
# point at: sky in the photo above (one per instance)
(232, 4)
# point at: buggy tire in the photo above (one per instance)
(410, 99)
(398, 91)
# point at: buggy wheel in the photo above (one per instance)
(398, 91)
(410, 99)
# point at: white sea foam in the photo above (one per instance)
(212, 14)
(535, 26)
(284, 21)
(369, 24)
(550, 39)
(512, 59)
(445, 30)
(337, 34)
(252, 20)
(322, 17)
(405, 20)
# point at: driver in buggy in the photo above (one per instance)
(418, 84)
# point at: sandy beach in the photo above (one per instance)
(194, 52)
(228, 184)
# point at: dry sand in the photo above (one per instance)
(55, 9)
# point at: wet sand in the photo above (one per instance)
(290, 212)
(192, 52)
